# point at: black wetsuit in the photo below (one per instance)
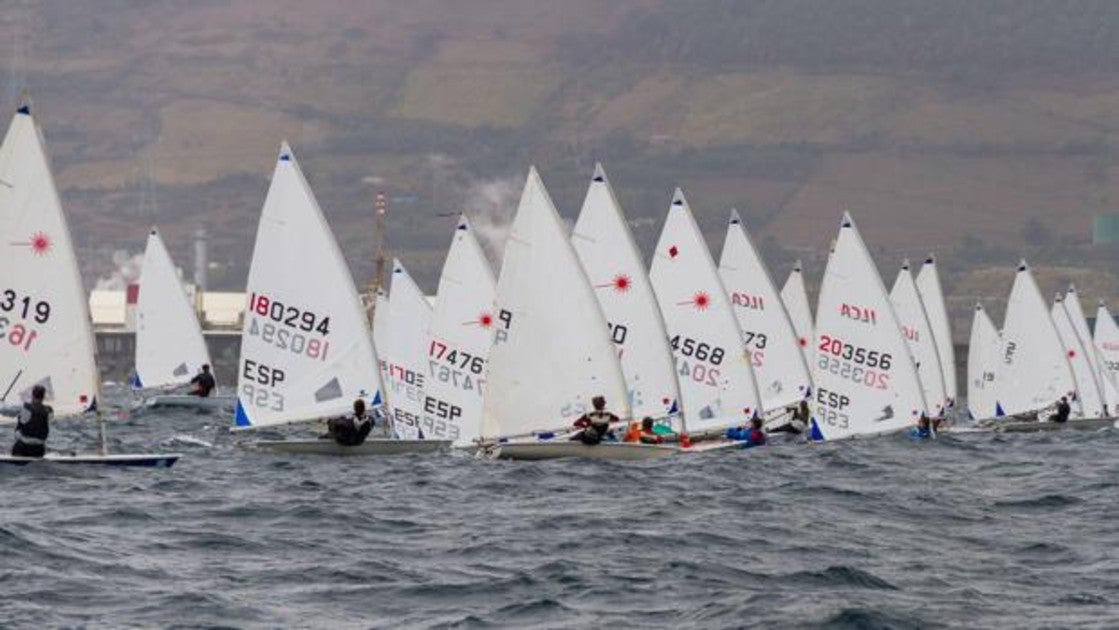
(596, 427)
(32, 430)
(1063, 411)
(350, 430)
(203, 384)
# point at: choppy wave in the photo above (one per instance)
(970, 530)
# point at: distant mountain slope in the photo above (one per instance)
(938, 123)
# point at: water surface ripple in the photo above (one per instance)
(971, 530)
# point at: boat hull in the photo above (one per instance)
(186, 401)
(156, 460)
(1082, 424)
(330, 447)
(616, 451)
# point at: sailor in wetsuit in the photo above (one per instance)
(33, 425)
(203, 382)
(351, 430)
(1063, 411)
(923, 429)
(751, 437)
(596, 424)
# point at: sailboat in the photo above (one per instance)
(1080, 325)
(1033, 369)
(46, 336)
(400, 336)
(713, 364)
(1087, 388)
(1106, 339)
(795, 298)
(932, 297)
(306, 353)
(552, 350)
(170, 349)
(982, 364)
(918, 332)
(775, 350)
(459, 339)
(614, 264)
(866, 379)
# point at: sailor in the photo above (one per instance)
(648, 434)
(203, 382)
(750, 436)
(923, 429)
(798, 423)
(596, 424)
(351, 430)
(33, 425)
(1063, 411)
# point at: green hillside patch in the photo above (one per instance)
(501, 96)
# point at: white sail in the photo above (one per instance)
(1033, 371)
(46, 337)
(1080, 324)
(170, 348)
(1107, 342)
(918, 333)
(460, 335)
(866, 380)
(305, 348)
(775, 350)
(932, 296)
(380, 329)
(1087, 388)
(795, 298)
(717, 383)
(552, 351)
(610, 256)
(403, 353)
(982, 362)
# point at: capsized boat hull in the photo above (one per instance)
(155, 460)
(186, 401)
(330, 447)
(616, 451)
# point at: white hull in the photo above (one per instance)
(156, 460)
(707, 446)
(617, 451)
(330, 447)
(1083, 424)
(186, 401)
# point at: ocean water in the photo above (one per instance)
(976, 531)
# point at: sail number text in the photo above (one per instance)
(849, 352)
(21, 334)
(291, 316)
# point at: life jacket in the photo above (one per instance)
(33, 426)
(633, 433)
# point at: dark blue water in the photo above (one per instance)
(974, 531)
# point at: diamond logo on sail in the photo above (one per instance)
(887, 413)
(331, 391)
(181, 370)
